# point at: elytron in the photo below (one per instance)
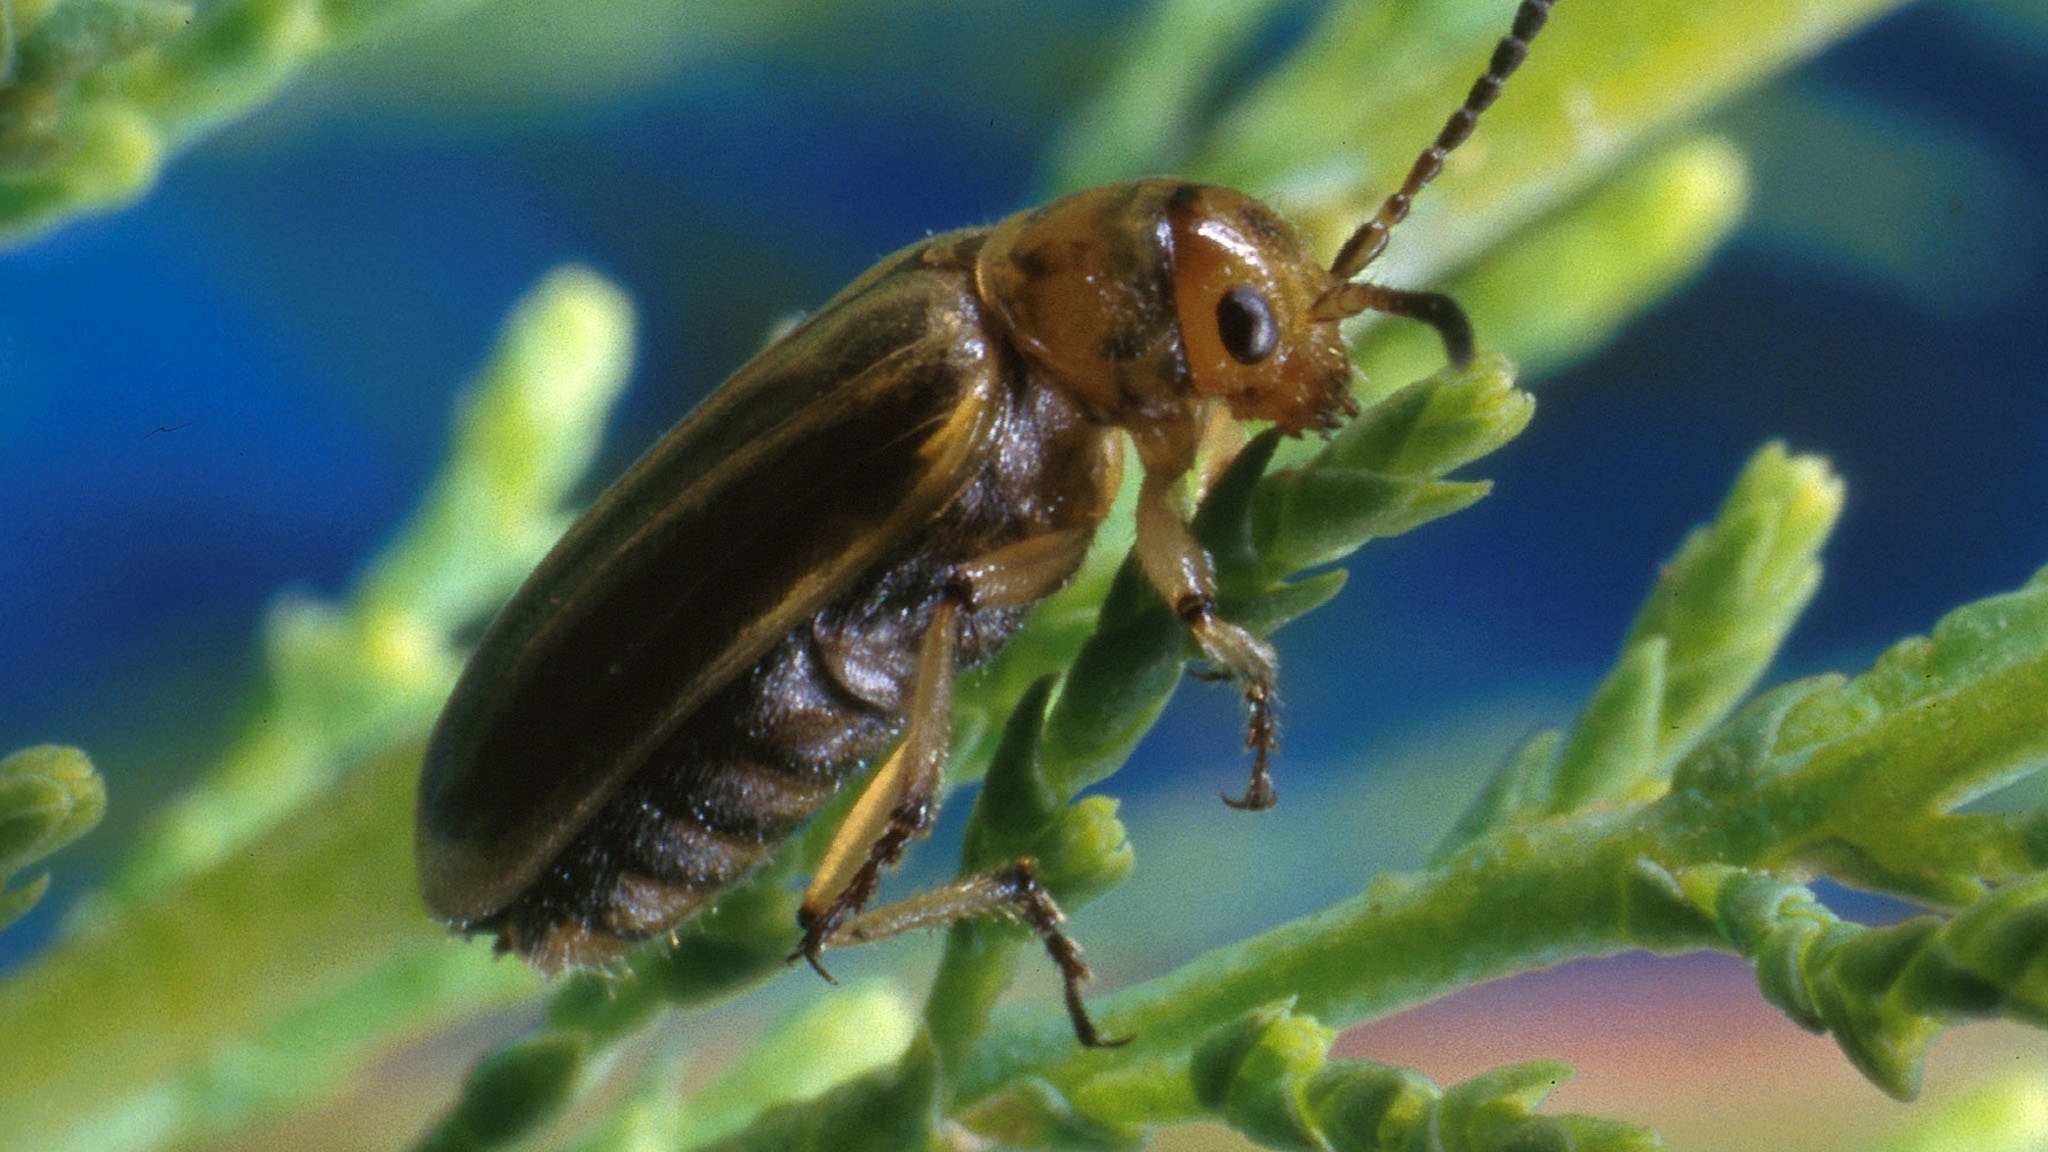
(783, 588)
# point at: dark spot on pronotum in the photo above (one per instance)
(1031, 262)
(1126, 342)
(1261, 223)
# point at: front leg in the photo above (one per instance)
(1181, 569)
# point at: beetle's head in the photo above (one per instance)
(1138, 297)
(1246, 295)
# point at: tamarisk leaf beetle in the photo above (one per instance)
(786, 583)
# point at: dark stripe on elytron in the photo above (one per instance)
(489, 792)
(632, 654)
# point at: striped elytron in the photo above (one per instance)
(787, 582)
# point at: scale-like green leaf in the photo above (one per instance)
(49, 796)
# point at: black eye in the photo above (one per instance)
(1245, 322)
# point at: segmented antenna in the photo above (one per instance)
(1366, 244)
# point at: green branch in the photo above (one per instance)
(101, 92)
(369, 673)
(1703, 638)
(1269, 1075)
(1856, 778)
(1886, 993)
(297, 843)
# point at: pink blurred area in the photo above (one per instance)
(1686, 1047)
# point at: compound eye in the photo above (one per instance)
(1244, 321)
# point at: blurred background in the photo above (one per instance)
(240, 385)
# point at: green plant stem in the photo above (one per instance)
(1403, 942)
(274, 894)
(1951, 723)
(164, 962)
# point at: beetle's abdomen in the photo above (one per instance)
(759, 758)
(749, 769)
(753, 765)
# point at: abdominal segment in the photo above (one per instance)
(752, 766)
(749, 768)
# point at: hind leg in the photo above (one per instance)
(899, 802)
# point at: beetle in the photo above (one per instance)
(786, 583)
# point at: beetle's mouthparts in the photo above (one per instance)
(1339, 406)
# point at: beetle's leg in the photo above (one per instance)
(1223, 437)
(1021, 574)
(1183, 572)
(897, 804)
(1014, 890)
